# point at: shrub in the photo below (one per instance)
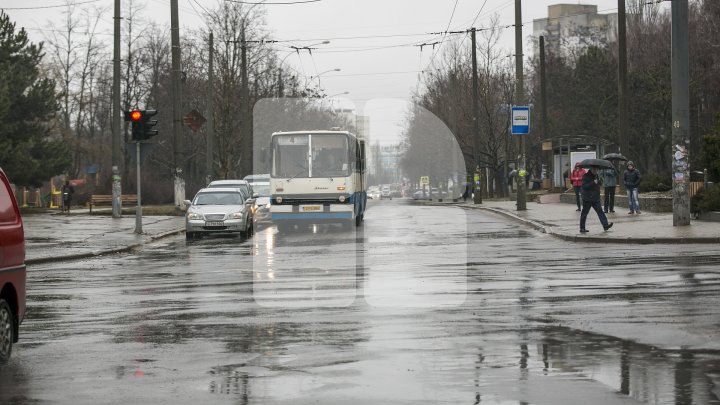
(706, 200)
(655, 182)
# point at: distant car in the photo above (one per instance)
(418, 195)
(385, 193)
(436, 193)
(243, 185)
(219, 210)
(12, 269)
(373, 192)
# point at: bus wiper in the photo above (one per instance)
(297, 174)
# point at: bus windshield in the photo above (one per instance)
(329, 156)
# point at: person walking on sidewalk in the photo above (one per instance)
(67, 192)
(591, 199)
(576, 177)
(632, 179)
(609, 180)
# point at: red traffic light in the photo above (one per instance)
(135, 115)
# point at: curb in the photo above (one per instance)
(590, 239)
(124, 249)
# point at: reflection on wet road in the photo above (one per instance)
(419, 305)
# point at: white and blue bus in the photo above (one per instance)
(317, 177)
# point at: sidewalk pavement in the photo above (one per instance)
(52, 236)
(562, 221)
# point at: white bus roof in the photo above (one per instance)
(320, 131)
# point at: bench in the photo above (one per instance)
(103, 199)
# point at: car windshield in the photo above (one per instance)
(222, 198)
(226, 184)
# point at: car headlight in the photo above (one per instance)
(194, 215)
(237, 215)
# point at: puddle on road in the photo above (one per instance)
(548, 366)
(508, 234)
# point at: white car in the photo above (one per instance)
(261, 209)
(385, 193)
(373, 192)
(243, 185)
(219, 210)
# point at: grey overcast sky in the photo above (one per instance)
(371, 41)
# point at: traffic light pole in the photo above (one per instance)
(138, 210)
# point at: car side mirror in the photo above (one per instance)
(256, 195)
(250, 201)
(187, 203)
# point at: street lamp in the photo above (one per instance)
(320, 74)
(296, 49)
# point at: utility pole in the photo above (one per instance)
(519, 100)
(246, 161)
(543, 100)
(680, 113)
(623, 137)
(477, 199)
(178, 158)
(115, 127)
(211, 115)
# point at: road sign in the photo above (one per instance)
(194, 120)
(520, 120)
(424, 180)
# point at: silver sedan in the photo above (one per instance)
(219, 210)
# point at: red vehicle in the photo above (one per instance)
(12, 269)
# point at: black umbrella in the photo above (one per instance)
(597, 163)
(615, 156)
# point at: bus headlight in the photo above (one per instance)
(342, 198)
(278, 199)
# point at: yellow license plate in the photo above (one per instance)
(308, 208)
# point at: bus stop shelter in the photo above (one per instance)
(561, 152)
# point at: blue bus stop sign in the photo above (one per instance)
(520, 120)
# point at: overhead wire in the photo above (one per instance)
(47, 7)
(275, 3)
(432, 57)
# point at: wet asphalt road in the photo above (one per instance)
(420, 305)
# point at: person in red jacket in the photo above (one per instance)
(576, 179)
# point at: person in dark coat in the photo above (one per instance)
(591, 198)
(632, 178)
(67, 191)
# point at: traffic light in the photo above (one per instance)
(147, 130)
(141, 124)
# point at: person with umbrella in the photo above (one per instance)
(591, 192)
